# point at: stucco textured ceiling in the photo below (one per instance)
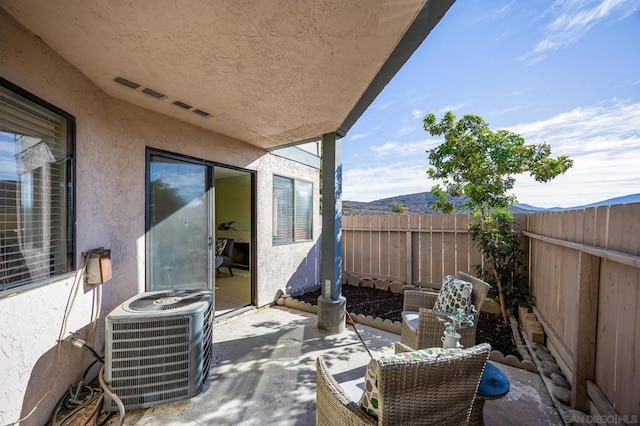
(270, 72)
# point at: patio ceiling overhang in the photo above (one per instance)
(269, 73)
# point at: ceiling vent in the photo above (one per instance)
(153, 93)
(126, 82)
(157, 95)
(182, 105)
(202, 113)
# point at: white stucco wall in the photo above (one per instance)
(111, 138)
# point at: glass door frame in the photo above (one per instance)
(210, 188)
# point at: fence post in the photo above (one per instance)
(409, 258)
(585, 354)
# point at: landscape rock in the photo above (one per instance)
(397, 287)
(539, 346)
(544, 356)
(559, 380)
(367, 282)
(563, 395)
(549, 367)
(353, 280)
(408, 287)
(382, 284)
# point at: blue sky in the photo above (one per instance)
(563, 72)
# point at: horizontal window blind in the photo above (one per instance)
(282, 210)
(303, 213)
(35, 191)
(292, 210)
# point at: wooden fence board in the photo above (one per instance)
(437, 263)
(602, 227)
(449, 245)
(357, 244)
(462, 244)
(626, 375)
(347, 249)
(583, 368)
(570, 280)
(384, 246)
(375, 245)
(416, 249)
(631, 224)
(366, 245)
(426, 251)
(606, 334)
(589, 228)
(404, 250)
(635, 394)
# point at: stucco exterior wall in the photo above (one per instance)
(111, 137)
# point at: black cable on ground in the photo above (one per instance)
(79, 397)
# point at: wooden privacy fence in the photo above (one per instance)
(584, 274)
(584, 268)
(417, 249)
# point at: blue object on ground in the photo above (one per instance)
(493, 383)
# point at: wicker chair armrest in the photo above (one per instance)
(415, 299)
(333, 406)
(401, 347)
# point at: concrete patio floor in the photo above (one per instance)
(264, 369)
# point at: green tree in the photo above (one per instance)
(482, 165)
(165, 199)
(399, 208)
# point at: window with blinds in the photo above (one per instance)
(292, 210)
(36, 191)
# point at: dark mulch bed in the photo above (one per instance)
(388, 305)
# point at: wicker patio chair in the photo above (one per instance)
(420, 325)
(432, 391)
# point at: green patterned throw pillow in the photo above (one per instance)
(454, 294)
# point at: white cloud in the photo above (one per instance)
(386, 149)
(450, 108)
(505, 110)
(587, 129)
(572, 19)
(503, 10)
(417, 114)
(390, 180)
(383, 106)
(604, 142)
(518, 92)
(410, 148)
(405, 130)
(358, 136)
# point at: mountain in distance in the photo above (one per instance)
(421, 203)
(626, 199)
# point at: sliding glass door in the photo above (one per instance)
(179, 228)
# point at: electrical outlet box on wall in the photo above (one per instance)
(98, 266)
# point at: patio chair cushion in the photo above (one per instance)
(221, 243)
(454, 294)
(370, 400)
(411, 319)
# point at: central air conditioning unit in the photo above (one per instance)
(158, 347)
